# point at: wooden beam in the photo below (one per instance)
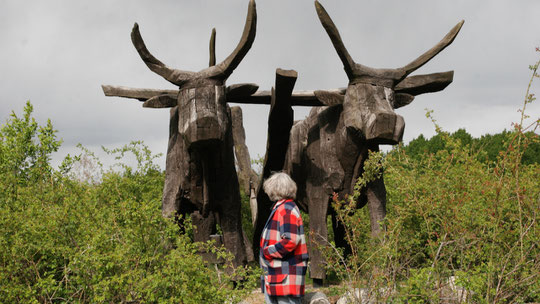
(237, 93)
(140, 94)
(298, 98)
(280, 121)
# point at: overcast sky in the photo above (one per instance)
(57, 54)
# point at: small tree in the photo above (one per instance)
(25, 151)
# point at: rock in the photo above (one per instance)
(458, 293)
(360, 296)
(315, 298)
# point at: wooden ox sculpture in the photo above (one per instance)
(201, 179)
(327, 150)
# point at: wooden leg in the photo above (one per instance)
(376, 195)
(318, 234)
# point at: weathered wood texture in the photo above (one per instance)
(280, 120)
(253, 205)
(200, 178)
(212, 48)
(246, 93)
(140, 94)
(327, 150)
(247, 177)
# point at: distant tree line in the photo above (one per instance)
(487, 147)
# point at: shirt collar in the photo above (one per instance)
(278, 203)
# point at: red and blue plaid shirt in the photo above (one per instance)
(283, 254)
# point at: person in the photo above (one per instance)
(283, 252)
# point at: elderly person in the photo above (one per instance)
(283, 255)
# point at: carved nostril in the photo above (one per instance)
(381, 127)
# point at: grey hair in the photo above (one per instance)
(280, 186)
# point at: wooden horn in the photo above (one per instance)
(333, 33)
(427, 56)
(225, 68)
(174, 76)
(212, 61)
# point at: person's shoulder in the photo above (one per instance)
(291, 207)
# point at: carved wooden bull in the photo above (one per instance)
(201, 179)
(327, 150)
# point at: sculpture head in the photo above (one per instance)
(370, 99)
(203, 113)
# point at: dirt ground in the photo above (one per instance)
(257, 297)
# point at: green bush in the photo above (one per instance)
(458, 229)
(64, 239)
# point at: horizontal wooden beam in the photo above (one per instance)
(298, 98)
(140, 94)
(243, 93)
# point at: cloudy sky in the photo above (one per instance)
(58, 53)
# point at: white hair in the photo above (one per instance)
(280, 186)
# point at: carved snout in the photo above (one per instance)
(379, 127)
(384, 128)
(368, 113)
(203, 116)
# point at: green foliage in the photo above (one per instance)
(487, 147)
(458, 228)
(25, 152)
(69, 239)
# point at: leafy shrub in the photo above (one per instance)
(64, 239)
(458, 229)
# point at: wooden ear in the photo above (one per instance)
(402, 99)
(329, 98)
(428, 83)
(240, 91)
(161, 101)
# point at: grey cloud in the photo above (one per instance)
(58, 53)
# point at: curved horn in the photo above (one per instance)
(227, 66)
(175, 76)
(212, 61)
(427, 56)
(331, 30)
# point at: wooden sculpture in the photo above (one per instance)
(324, 153)
(201, 179)
(327, 150)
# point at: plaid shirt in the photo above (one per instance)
(283, 255)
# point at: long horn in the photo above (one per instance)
(331, 30)
(227, 66)
(174, 76)
(212, 61)
(427, 56)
